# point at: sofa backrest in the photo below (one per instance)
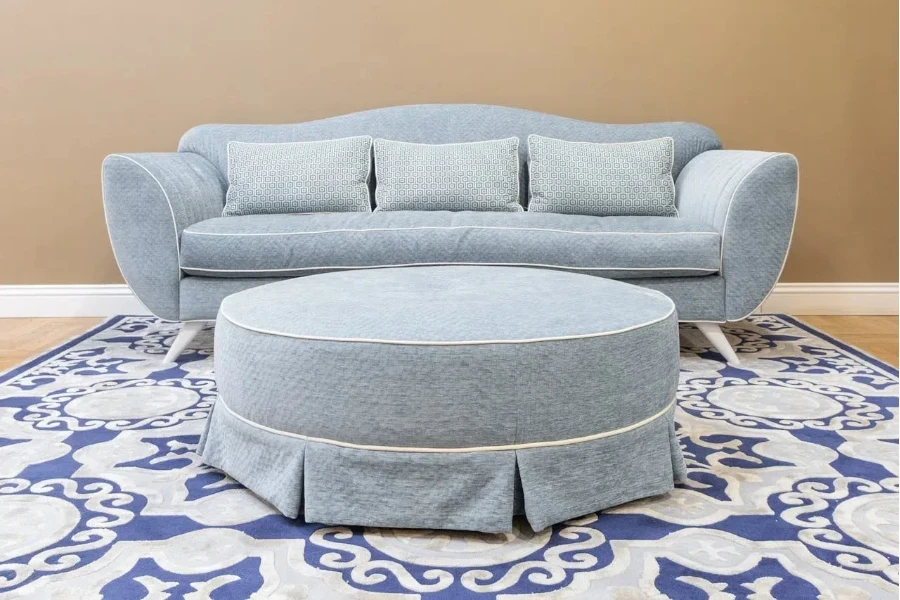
(450, 123)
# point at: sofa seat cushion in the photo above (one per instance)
(295, 245)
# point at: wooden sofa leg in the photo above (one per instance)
(189, 330)
(714, 334)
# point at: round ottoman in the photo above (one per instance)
(446, 397)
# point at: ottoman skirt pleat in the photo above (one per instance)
(426, 398)
(476, 491)
(271, 465)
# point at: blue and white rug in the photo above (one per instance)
(793, 490)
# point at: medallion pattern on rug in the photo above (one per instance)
(792, 491)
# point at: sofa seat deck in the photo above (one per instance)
(298, 244)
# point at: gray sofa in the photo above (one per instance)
(718, 260)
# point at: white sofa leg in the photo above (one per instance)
(189, 330)
(714, 334)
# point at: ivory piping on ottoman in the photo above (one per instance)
(560, 338)
(567, 442)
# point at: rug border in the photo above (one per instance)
(29, 363)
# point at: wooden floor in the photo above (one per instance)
(875, 335)
(21, 339)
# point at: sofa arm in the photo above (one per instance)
(751, 198)
(148, 199)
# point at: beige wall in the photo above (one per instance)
(79, 80)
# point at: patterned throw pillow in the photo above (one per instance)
(586, 178)
(299, 177)
(482, 176)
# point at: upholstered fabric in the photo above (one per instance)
(148, 199)
(460, 491)
(748, 198)
(751, 199)
(444, 305)
(480, 354)
(299, 177)
(625, 467)
(451, 123)
(478, 176)
(201, 296)
(696, 298)
(585, 178)
(617, 247)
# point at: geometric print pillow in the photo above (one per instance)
(299, 177)
(478, 176)
(586, 178)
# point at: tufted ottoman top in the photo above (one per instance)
(446, 305)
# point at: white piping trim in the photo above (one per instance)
(425, 450)
(439, 264)
(319, 338)
(174, 226)
(168, 202)
(790, 239)
(111, 245)
(734, 195)
(448, 228)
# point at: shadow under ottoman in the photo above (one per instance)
(446, 397)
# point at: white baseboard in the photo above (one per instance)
(833, 299)
(68, 301)
(117, 299)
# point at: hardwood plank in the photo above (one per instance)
(876, 335)
(854, 325)
(21, 339)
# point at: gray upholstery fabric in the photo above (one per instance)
(751, 198)
(280, 364)
(148, 200)
(586, 178)
(696, 298)
(151, 201)
(449, 304)
(271, 465)
(617, 247)
(450, 123)
(475, 491)
(389, 489)
(299, 177)
(201, 296)
(482, 176)
(567, 481)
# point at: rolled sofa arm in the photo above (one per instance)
(751, 198)
(148, 199)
